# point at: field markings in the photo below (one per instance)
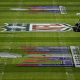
(20, 5)
(69, 73)
(36, 19)
(2, 73)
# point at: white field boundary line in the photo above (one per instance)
(23, 9)
(19, 9)
(78, 14)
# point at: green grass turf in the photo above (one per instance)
(11, 72)
(9, 16)
(13, 42)
(37, 75)
(16, 40)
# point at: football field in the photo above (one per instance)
(13, 42)
(9, 16)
